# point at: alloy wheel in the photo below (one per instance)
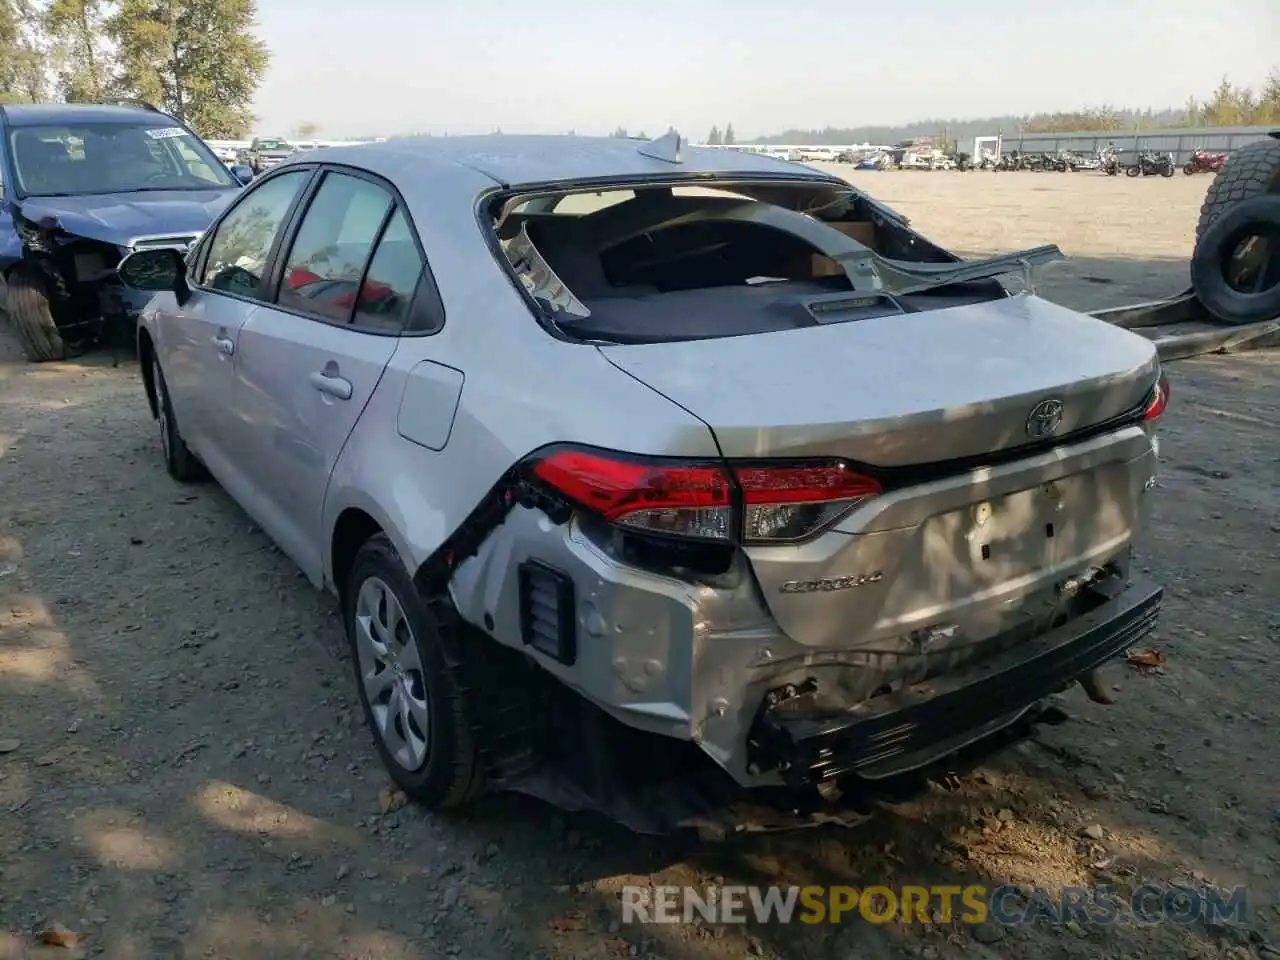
(392, 675)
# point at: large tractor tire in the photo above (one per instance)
(30, 309)
(1251, 171)
(1235, 283)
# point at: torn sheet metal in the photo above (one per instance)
(718, 809)
(901, 276)
(542, 283)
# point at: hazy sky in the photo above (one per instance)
(372, 67)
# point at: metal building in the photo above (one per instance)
(1178, 142)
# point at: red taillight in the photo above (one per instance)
(1158, 401)
(683, 499)
(780, 503)
(785, 503)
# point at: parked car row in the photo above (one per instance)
(1107, 160)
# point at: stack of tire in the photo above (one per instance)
(1243, 202)
(30, 307)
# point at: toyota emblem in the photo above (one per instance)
(1044, 419)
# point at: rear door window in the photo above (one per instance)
(391, 280)
(326, 263)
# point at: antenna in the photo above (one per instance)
(668, 148)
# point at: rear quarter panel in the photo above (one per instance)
(514, 399)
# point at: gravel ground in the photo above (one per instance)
(184, 772)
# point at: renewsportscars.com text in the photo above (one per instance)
(1005, 905)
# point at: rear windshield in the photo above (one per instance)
(669, 263)
(95, 158)
(681, 262)
(274, 145)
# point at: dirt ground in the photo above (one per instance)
(184, 771)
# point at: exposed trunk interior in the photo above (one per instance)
(663, 264)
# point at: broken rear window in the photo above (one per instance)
(697, 260)
(682, 262)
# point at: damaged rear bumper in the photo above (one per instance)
(913, 728)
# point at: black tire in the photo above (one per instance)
(179, 462)
(451, 773)
(1188, 169)
(1132, 171)
(1166, 170)
(1259, 215)
(1251, 171)
(31, 309)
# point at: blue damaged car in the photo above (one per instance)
(81, 186)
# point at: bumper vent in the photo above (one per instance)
(547, 616)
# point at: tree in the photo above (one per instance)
(306, 130)
(1193, 116)
(22, 74)
(10, 31)
(945, 142)
(75, 31)
(1269, 99)
(729, 139)
(199, 58)
(1230, 106)
(713, 138)
(620, 133)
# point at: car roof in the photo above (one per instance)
(518, 159)
(41, 114)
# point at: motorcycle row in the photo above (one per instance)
(1146, 163)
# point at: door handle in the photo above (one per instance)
(331, 384)
(226, 346)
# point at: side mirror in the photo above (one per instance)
(158, 270)
(242, 172)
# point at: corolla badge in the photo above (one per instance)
(1044, 419)
(829, 584)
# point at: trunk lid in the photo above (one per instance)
(955, 554)
(948, 384)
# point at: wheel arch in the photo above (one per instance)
(353, 524)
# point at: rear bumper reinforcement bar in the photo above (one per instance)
(924, 723)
